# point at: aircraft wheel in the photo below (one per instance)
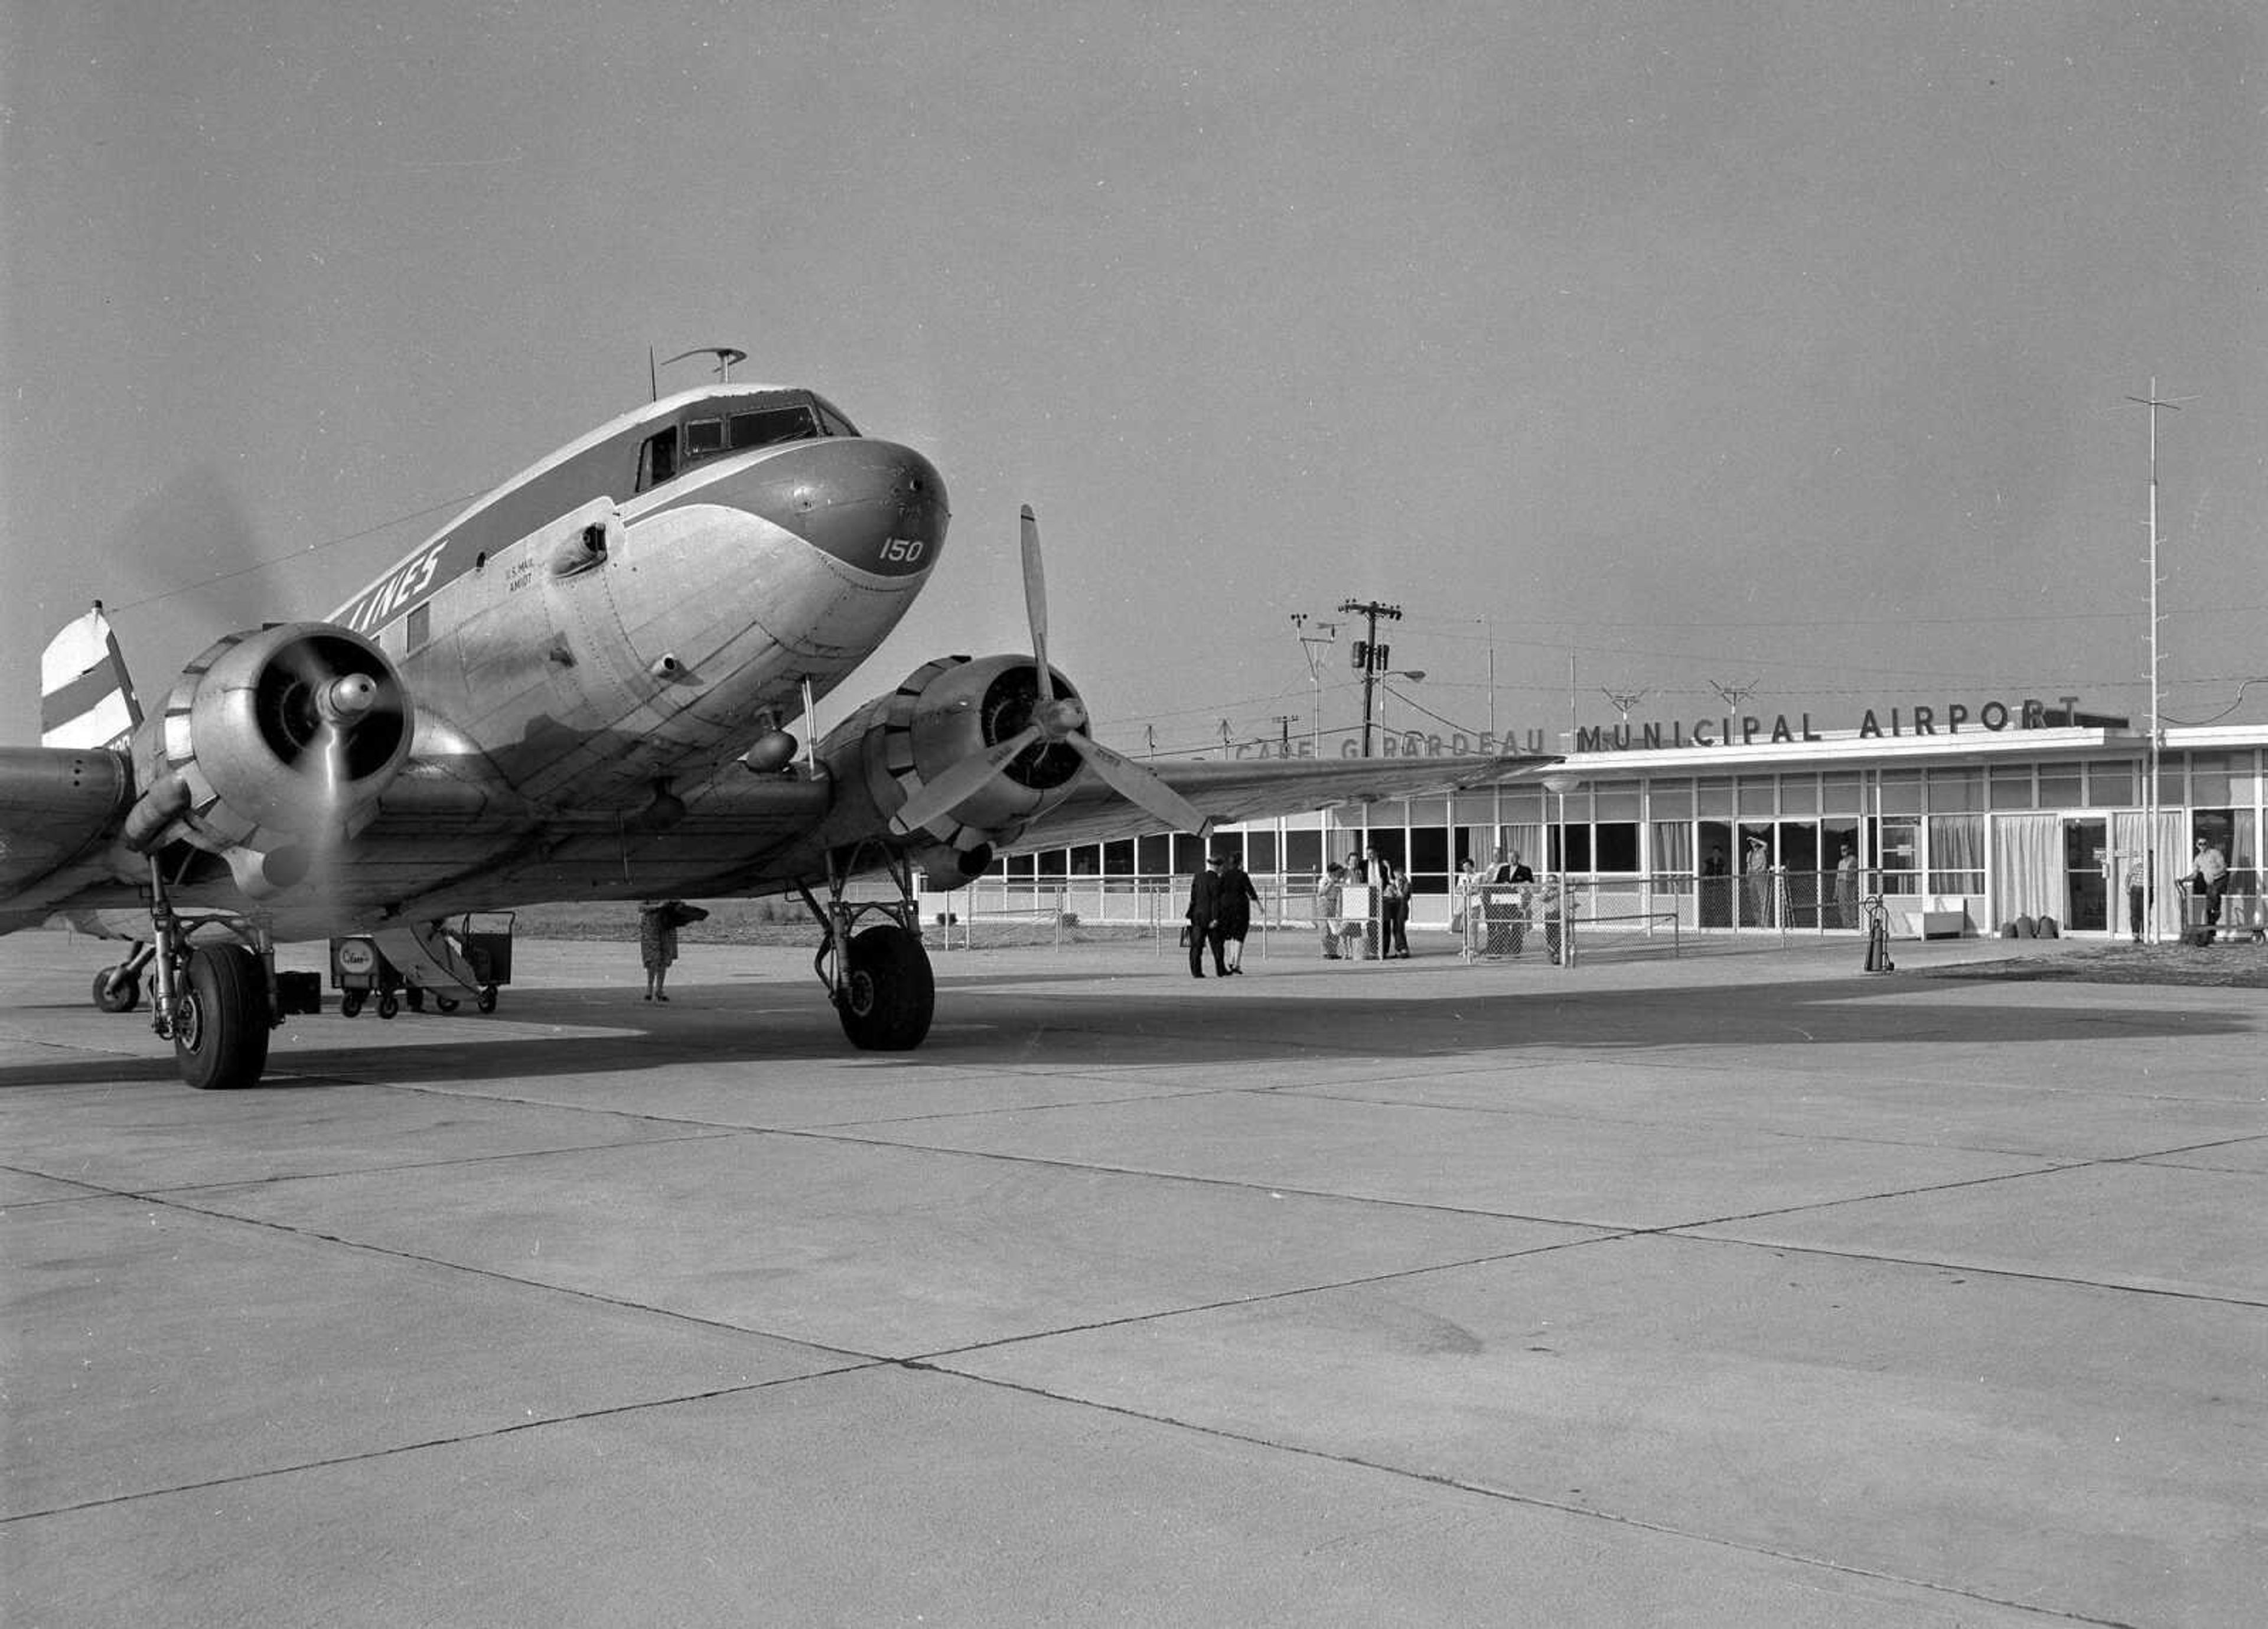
(351, 1003)
(388, 1005)
(220, 1028)
(447, 1004)
(487, 999)
(123, 999)
(889, 992)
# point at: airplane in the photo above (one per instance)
(580, 689)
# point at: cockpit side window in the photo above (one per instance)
(658, 458)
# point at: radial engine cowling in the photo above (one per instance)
(273, 743)
(952, 709)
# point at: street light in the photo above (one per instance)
(1415, 675)
(1559, 787)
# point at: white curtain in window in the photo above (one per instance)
(2027, 867)
(1673, 848)
(2170, 863)
(1956, 853)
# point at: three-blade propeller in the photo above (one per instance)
(1055, 719)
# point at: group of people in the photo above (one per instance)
(1347, 936)
(1221, 898)
(1495, 902)
(2207, 883)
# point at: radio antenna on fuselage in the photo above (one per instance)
(726, 355)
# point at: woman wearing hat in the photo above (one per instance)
(1234, 898)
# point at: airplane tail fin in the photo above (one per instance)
(87, 698)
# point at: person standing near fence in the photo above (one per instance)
(2137, 893)
(1465, 905)
(1204, 915)
(2211, 878)
(1551, 903)
(1393, 907)
(1330, 895)
(1846, 888)
(1759, 867)
(1232, 911)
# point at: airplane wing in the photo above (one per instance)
(60, 807)
(1237, 790)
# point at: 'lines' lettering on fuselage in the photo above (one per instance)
(410, 580)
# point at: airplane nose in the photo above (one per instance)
(874, 504)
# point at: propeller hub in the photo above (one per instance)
(346, 699)
(1059, 717)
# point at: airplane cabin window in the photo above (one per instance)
(703, 436)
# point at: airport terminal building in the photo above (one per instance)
(1962, 817)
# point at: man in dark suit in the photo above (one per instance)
(1205, 918)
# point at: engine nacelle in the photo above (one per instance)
(952, 710)
(271, 743)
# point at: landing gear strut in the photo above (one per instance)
(216, 1003)
(881, 986)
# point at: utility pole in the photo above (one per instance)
(1283, 722)
(1734, 694)
(1488, 625)
(1370, 655)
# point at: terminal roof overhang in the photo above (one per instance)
(1849, 750)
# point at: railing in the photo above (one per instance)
(1562, 917)
(1678, 906)
(1053, 907)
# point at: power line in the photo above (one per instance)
(300, 554)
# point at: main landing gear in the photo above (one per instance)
(215, 1002)
(882, 988)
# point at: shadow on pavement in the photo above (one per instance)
(1091, 1017)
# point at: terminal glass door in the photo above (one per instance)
(2085, 892)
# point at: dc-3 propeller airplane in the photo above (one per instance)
(579, 690)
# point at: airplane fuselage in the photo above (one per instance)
(587, 644)
(608, 620)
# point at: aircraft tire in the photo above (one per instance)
(220, 1031)
(388, 1005)
(890, 993)
(447, 1004)
(351, 1003)
(125, 999)
(486, 1000)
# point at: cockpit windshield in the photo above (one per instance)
(715, 429)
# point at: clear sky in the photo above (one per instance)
(1779, 347)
